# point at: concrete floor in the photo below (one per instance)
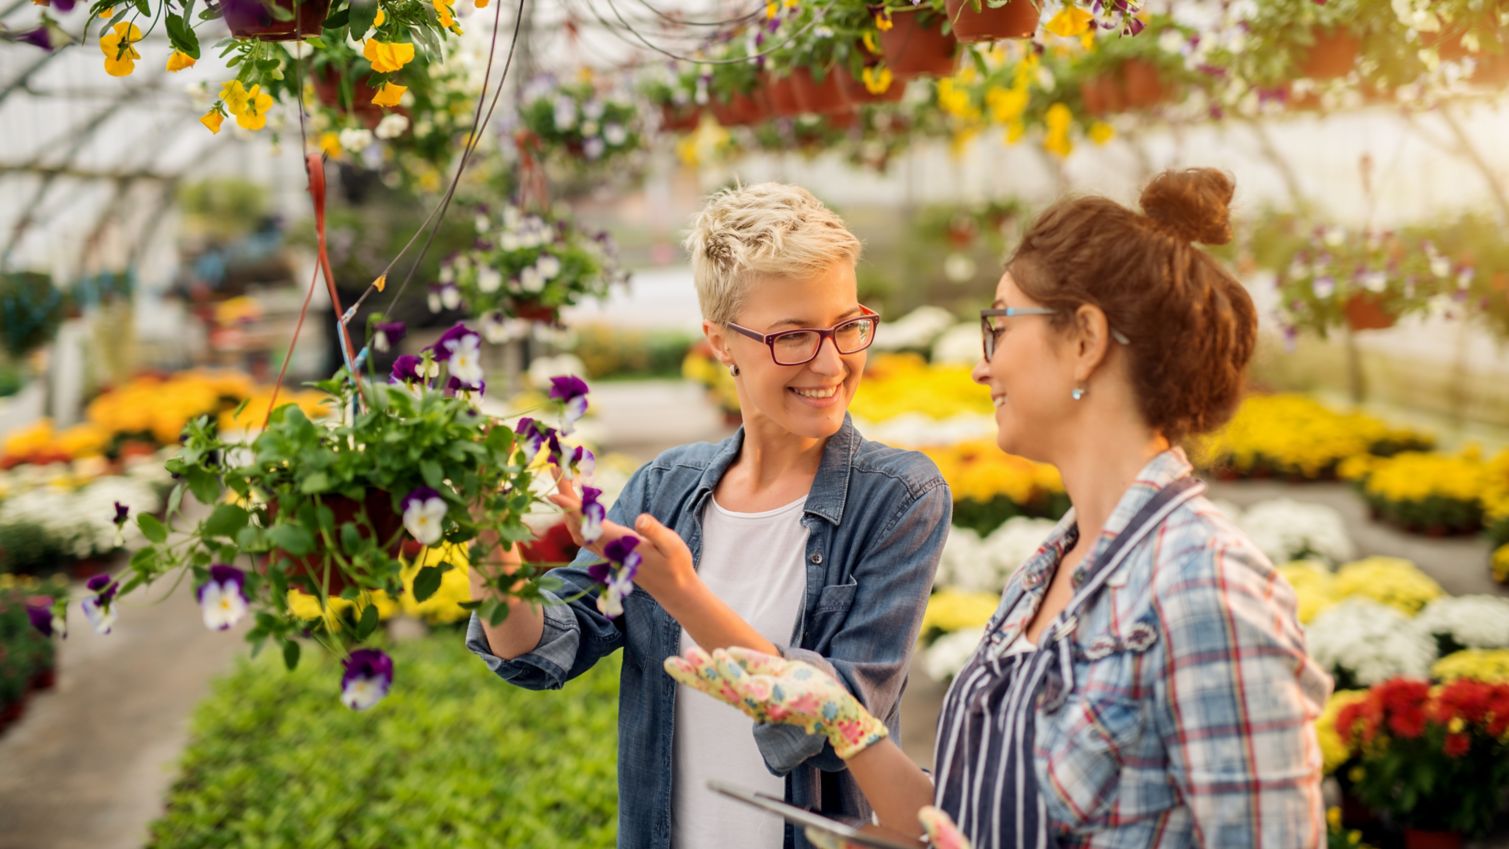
(90, 763)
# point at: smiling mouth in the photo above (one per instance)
(817, 394)
(998, 400)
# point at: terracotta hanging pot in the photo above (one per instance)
(781, 92)
(255, 19)
(1143, 84)
(1102, 96)
(387, 523)
(916, 45)
(741, 110)
(538, 313)
(855, 92)
(1016, 19)
(1415, 838)
(820, 97)
(1365, 311)
(327, 87)
(1333, 54)
(679, 119)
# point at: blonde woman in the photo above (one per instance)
(794, 537)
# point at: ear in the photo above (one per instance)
(1090, 340)
(718, 339)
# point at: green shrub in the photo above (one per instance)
(617, 353)
(27, 548)
(24, 652)
(452, 757)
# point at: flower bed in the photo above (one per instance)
(27, 656)
(1298, 438)
(990, 487)
(1424, 492)
(272, 765)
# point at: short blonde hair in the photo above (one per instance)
(767, 229)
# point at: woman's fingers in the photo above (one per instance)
(940, 828)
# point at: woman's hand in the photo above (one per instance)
(665, 568)
(772, 689)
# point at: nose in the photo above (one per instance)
(981, 372)
(828, 359)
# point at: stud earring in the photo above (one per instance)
(733, 369)
(1078, 393)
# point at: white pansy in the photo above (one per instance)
(424, 519)
(356, 139)
(450, 297)
(531, 281)
(466, 359)
(565, 113)
(615, 134)
(509, 242)
(549, 266)
(392, 126)
(489, 279)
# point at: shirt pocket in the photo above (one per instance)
(837, 599)
(1087, 747)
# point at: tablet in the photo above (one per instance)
(856, 833)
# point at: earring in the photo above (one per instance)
(733, 369)
(1078, 393)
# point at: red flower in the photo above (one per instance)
(1457, 745)
(1408, 724)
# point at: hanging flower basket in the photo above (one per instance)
(741, 110)
(274, 20)
(1415, 838)
(820, 97)
(538, 313)
(782, 96)
(327, 87)
(1333, 54)
(858, 94)
(679, 119)
(916, 45)
(1102, 95)
(1143, 84)
(1366, 312)
(1016, 19)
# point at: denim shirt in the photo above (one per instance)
(876, 518)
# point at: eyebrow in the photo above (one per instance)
(800, 323)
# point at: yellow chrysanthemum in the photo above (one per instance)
(117, 45)
(1393, 581)
(1334, 750)
(178, 60)
(386, 56)
(1490, 666)
(950, 610)
(254, 115)
(388, 96)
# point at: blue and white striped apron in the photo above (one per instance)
(984, 771)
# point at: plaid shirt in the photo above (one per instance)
(1189, 717)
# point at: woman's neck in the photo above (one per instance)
(1098, 469)
(773, 465)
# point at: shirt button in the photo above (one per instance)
(815, 559)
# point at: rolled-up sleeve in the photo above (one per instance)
(1236, 702)
(871, 652)
(575, 634)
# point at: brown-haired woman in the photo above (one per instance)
(1144, 682)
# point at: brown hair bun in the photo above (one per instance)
(1194, 204)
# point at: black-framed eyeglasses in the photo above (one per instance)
(800, 346)
(990, 333)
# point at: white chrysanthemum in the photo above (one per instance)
(948, 654)
(1473, 621)
(1288, 530)
(1372, 641)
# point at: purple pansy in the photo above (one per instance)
(593, 514)
(535, 434)
(99, 608)
(39, 611)
(388, 334)
(368, 677)
(572, 392)
(122, 512)
(450, 340)
(405, 369)
(222, 598)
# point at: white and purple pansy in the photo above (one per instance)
(535, 434)
(99, 608)
(406, 369)
(222, 598)
(39, 613)
(471, 393)
(387, 335)
(424, 515)
(617, 575)
(368, 677)
(593, 514)
(465, 362)
(580, 462)
(571, 391)
(444, 296)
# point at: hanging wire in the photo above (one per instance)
(625, 25)
(759, 8)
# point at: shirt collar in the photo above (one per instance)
(830, 489)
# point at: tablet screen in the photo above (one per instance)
(857, 833)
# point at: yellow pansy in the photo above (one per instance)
(1101, 132)
(771, 10)
(481, 4)
(388, 96)
(869, 42)
(120, 55)
(178, 60)
(379, 19)
(330, 144)
(877, 78)
(883, 20)
(446, 13)
(107, 12)
(1014, 132)
(1056, 140)
(1071, 21)
(254, 116)
(953, 98)
(1006, 104)
(233, 95)
(386, 56)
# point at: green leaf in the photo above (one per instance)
(227, 521)
(143, 7)
(315, 483)
(181, 35)
(205, 485)
(361, 17)
(294, 539)
(151, 528)
(368, 622)
(338, 19)
(249, 538)
(290, 654)
(426, 583)
(175, 500)
(433, 476)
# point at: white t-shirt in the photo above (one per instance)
(755, 563)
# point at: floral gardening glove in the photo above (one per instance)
(941, 833)
(786, 692)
